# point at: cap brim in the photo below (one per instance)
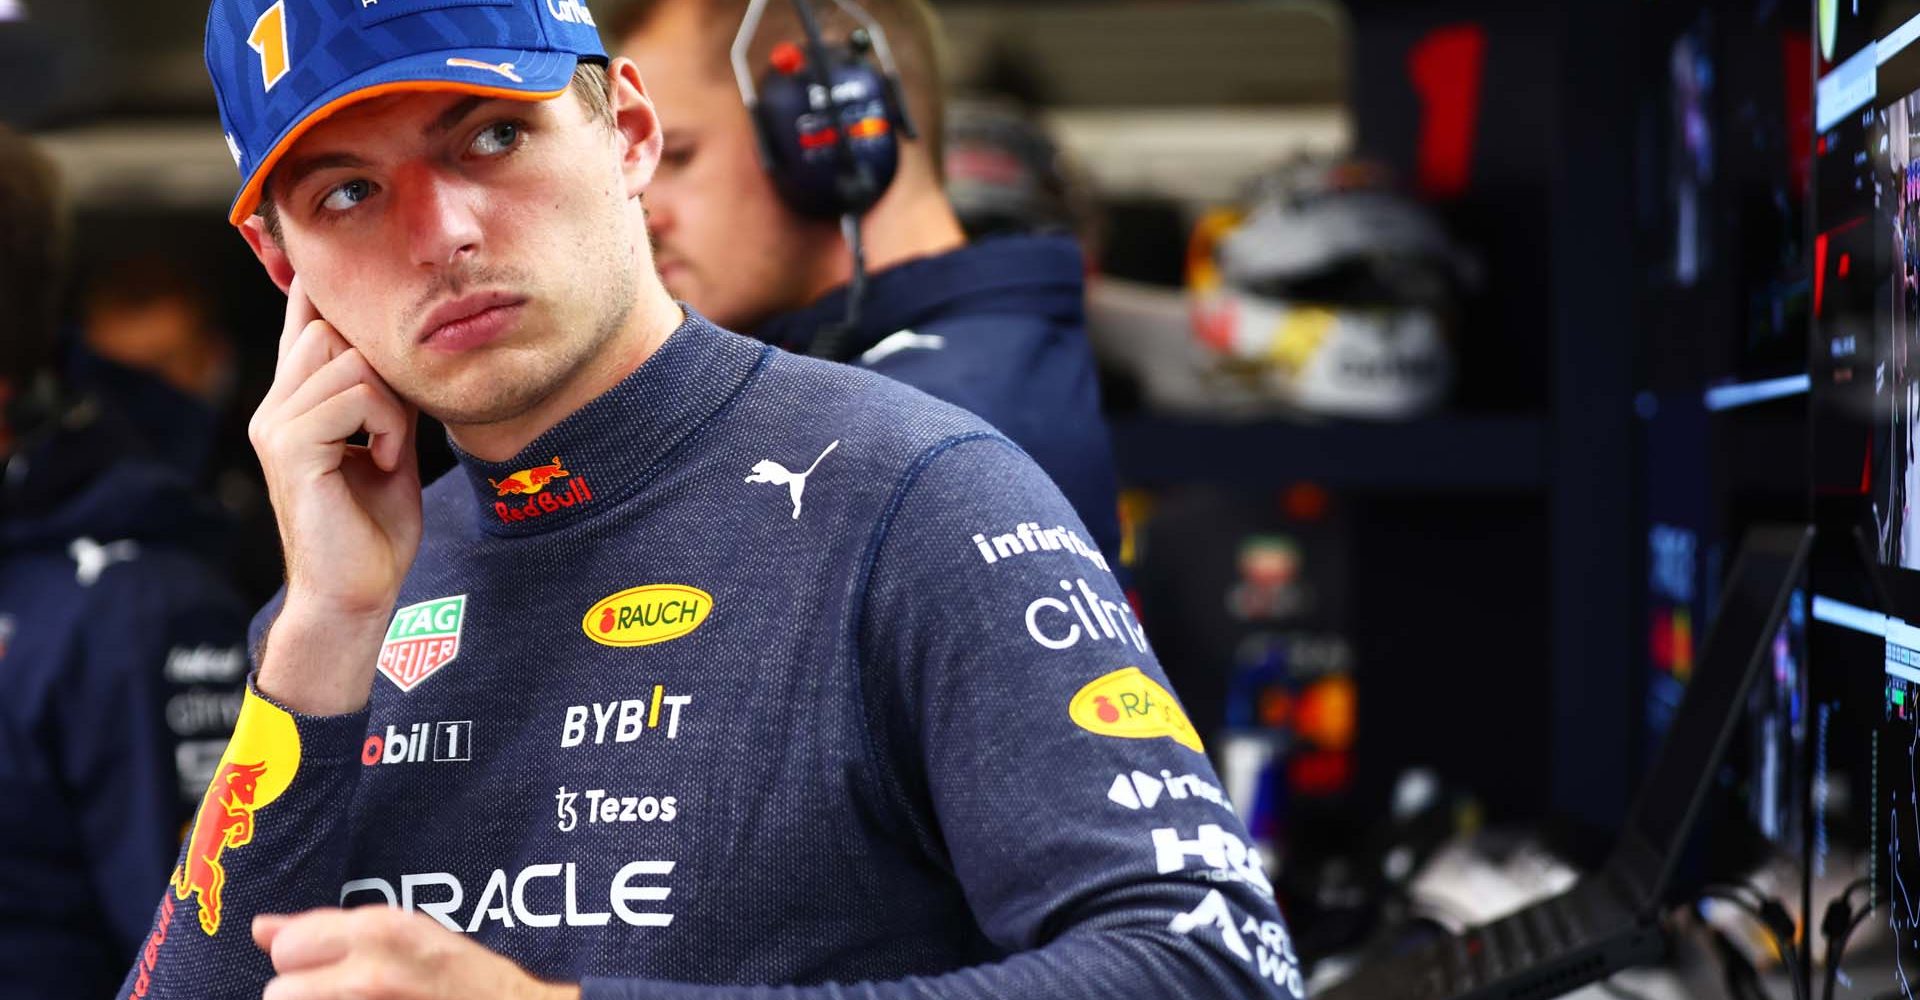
(509, 73)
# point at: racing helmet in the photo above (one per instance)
(1329, 293)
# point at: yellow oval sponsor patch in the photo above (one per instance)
(643, 616)
(1130, 705)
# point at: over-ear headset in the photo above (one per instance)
(829, 126)
(828, 121)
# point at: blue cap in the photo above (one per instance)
(280, 67)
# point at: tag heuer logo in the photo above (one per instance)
(423, 638)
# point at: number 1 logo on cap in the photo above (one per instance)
(269, 38)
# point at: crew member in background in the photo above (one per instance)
(996, 327)
(121, 650)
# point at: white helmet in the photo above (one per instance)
(1330, 295)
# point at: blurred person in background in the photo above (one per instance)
(120, 649)
(153, 351)
(151, 347)
(996, 327)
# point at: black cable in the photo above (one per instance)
(1837, 926)
(832, 342)
(1775, 920)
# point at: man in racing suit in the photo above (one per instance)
(710, 667)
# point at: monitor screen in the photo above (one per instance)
(1865, 368)
(1899, 806)
(1772, 777)
(1745, 628)
(1863, 657)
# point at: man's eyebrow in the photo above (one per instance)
(453, 115)
(290, 174)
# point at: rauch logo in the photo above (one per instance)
(643, 616)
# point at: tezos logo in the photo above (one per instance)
(643, 616)
(423, 638)
(602, 808)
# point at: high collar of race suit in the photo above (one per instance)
(609, 448)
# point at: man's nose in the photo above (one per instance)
(441, 216)
(659, 211)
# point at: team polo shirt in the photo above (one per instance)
(756, 676)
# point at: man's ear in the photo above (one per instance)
(635, 123)
(267, 250)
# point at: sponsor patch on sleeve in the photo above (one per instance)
(1130, 705)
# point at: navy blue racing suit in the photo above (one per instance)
(756, 676)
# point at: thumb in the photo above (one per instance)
(266, 927)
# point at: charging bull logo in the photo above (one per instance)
(1131, 705)
(259, 764)
(532, 484)
(529, 481)
(230, 824)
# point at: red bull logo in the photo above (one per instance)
(529, 481)
(532, 484)
(259, 764)
(150, 955)
(234, 789)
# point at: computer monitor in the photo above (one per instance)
(1863, 651)
(1724, 161)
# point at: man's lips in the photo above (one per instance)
(470, 320)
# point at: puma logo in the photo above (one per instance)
(769, 471)
(92, 558)
(504, 69)
(905, 340)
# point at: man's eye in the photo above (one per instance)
(676, 156)
(347, 195)
(496, 139)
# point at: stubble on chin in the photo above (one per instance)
(514, 383)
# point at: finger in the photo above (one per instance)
(357, 408)
(314, 346)
(265, 927)
(300, 312)
(389, 451)
(311, 940)
(346, 370)
(358, 978)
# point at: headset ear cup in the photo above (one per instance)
(763, 134)
(897, 108)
